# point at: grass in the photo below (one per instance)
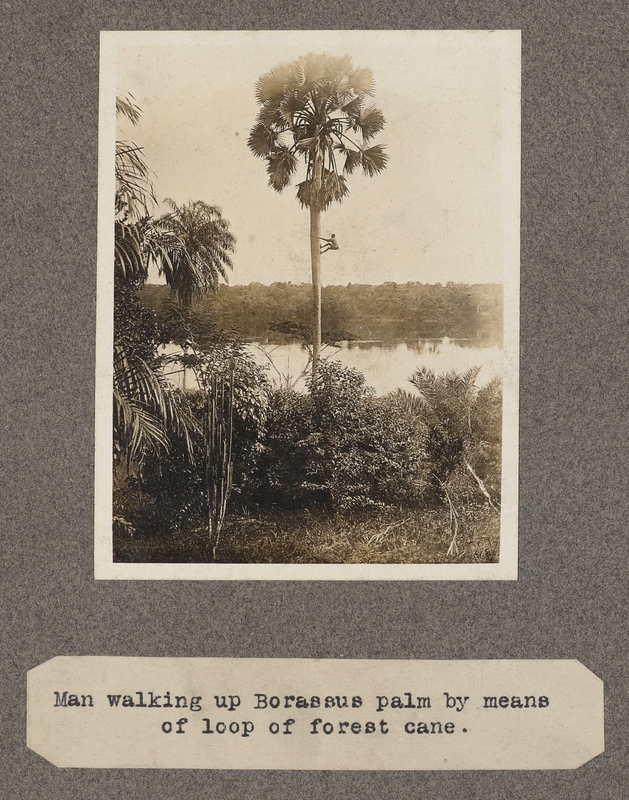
(389, 536)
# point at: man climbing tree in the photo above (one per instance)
(315, 108)
(330, 244)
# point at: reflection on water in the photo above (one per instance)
(386, 365)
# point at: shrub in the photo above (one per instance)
(341, 446)
(286, 474)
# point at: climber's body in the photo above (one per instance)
(330, 244)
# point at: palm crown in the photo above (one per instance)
(199, 254)
(315, 108)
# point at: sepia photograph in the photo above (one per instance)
(308, 305)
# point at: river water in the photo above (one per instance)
(386, 366)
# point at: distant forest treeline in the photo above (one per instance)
(387, 312)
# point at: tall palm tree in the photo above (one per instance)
(315, 110)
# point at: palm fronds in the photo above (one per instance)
(281, 164)
(447, 397)
(134, 189)
(191, 247)
(127, 107)
(306, 108)
(262, 140)
(464, 434)
(334, 188)
(373, 160)
(146, 409)
(199, 248)
(137, 431)
(366, 121)
(362, 81)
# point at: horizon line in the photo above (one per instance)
(344, 285)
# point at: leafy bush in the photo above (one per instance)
(341, 446)
(286, 477)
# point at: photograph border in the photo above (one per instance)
(104, 566)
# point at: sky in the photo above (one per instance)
(445, 209)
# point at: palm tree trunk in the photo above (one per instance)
(315, 258)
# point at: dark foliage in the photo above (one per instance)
(136, 327)
(391, 311)
(176, 481)
(340, 446)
